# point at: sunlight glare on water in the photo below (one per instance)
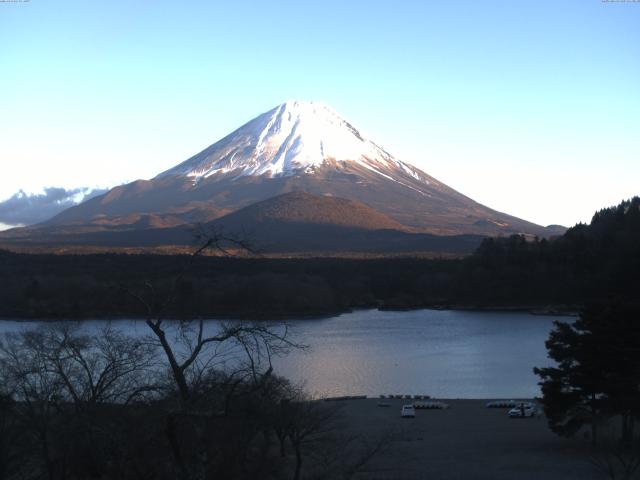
(442, 353)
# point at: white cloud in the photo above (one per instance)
(4, 226)
(26, 209)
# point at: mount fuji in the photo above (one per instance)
(295, 147)
(293, 138)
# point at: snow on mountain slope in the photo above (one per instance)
(295, 137)
(298, 146)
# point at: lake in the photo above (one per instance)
(442, 353)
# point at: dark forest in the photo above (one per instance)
(589, 262)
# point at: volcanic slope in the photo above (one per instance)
(299, 146)
(295, 147)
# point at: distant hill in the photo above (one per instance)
(304, 208)
(299, 221)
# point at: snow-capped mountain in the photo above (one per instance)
(297, 146)
(292, 138)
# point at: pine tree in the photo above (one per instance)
(597, 372)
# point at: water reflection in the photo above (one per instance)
(448, 354)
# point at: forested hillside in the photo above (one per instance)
(600, 260)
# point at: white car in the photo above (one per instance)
(522, 410)
(408, 411)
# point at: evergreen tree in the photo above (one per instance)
(597, 375)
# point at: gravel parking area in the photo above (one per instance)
(466, 441)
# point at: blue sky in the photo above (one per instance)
(531, 107)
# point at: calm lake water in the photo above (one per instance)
(442, 353)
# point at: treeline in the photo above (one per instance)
(95, 286)
(589, 261)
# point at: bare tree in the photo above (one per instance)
(194, 350)
(65, 384)
(316, 432)
(108, 367)
(308, 420)
(237, 355)
(27, 377)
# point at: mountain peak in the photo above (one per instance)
(306, 107)
(292, 138)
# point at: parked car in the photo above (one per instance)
(522, 410)
(408, 411)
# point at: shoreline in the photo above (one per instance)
(376, 398)
(548, 311)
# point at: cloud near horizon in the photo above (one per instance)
(26, 209)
